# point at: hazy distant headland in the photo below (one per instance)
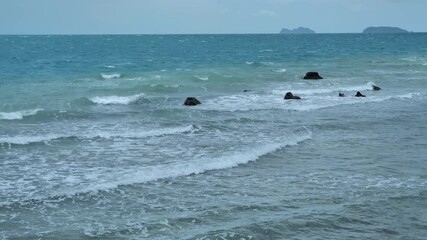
(300, 30)
(384, 30)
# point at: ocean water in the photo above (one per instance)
(95, 142)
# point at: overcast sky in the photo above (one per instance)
(206, 16)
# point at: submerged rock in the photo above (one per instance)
(341, 95)
(375, 88)
(359, 94)
(191, 101)
(312, 76)
(289, 95)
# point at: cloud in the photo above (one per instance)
(265, 13)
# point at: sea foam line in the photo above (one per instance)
(145, 134)
(365, 87)
(251, 102)
(315, 105)
(19, 114)
(185, 168)
(199, 166)
(25, 140)
(121, 100)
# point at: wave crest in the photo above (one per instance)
(281, 70)
(25, 140)
(198, 166)
(110, 76)
(19, 114)
(309, 102)
(364, 87)
(120, 100)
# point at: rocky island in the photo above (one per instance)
(384, 30)
(300, 30)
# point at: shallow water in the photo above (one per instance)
(95, 142)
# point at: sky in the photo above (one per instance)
(206, 16)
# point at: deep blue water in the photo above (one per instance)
(95, 142)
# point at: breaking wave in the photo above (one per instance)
(19, 114)
(364, 87)
(198, 166)
(251, 102)
(281, 70)
(110, 76)
(25, 140)
(120, 100)
(202, 78)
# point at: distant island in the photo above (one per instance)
(384, 30)
(300, 30)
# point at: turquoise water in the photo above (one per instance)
(95, 142)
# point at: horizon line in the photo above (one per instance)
(278, 33)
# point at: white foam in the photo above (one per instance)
(120, 133)
(261, 63)
(165, 86)
(24, 140)
(135, 79)
(123, 100)
(407, 96)
(198, 166)
(268, 63)
(313, 91)
(242, 102)
(282, 70)
(326, 102)
(19, 114)
(410, 59)
(251, 102)
(266, 50)
(110, 66)
(110, 76)
(416, 60)
(203, 78)
(143, 134)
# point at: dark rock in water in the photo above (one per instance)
(376, 88)
(191, 101)
(246, 90)
(359, 94)
(289, 95)
(312, 76)
(341, 95)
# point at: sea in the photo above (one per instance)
(96, 142)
